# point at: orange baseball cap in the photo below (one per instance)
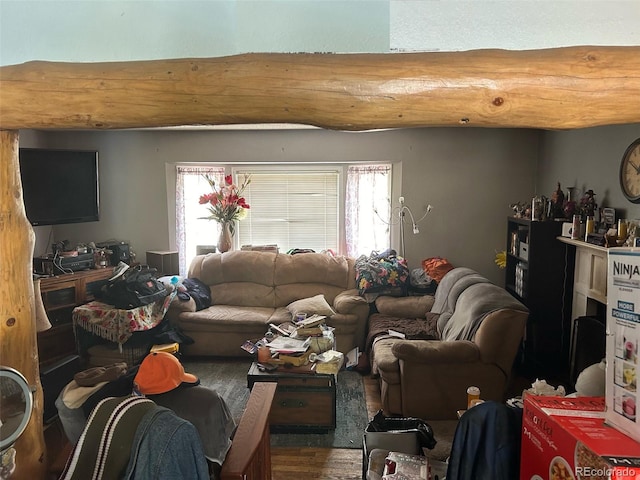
(161, 372)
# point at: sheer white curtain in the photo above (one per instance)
(367, 209)
(191, 230)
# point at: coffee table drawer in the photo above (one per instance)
(296, 409)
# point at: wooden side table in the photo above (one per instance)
(304, 402)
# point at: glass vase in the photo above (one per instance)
(225, 240)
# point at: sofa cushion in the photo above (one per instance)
(315, 268)
(225, 316)
(412, 328)
(316, 305)
(349, 301)
(407, 307)
(385, 363)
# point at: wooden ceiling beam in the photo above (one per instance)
(560, 88)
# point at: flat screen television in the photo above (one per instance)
(60, 186)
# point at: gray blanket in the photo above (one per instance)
(473, 305)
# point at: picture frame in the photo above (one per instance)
(609, 216)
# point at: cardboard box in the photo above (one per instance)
(166, 262)
(623, 340)
(568, 436)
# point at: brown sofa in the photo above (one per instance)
(251, 289)
(475, 329)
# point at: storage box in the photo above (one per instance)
(623, 339)
(524, 251)
(402, 442)
(166, 262)
(567, 438)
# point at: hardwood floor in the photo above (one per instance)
(324, 463)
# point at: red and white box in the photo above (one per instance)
(566, 438)
(623, 340)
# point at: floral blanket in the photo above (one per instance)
(381, 272)
(118, 325)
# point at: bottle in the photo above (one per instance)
(622, 229)
(536, 208)
(589, 227)
(575, 228)
(473, 393)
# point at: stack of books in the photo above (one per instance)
(261, 248)
(310, 326)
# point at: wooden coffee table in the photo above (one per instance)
(304, 402)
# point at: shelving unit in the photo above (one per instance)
(60, 295)
(537, 268)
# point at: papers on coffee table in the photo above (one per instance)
(289, 345)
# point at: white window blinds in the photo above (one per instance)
(292, 209)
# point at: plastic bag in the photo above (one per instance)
(423, 431)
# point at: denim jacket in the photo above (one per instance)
(166, 447)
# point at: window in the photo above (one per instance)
(191, 230)
(293, 206)
(292, 209)
(368, 209)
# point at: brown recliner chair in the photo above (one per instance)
(479, 327)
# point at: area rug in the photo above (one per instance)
(229, 379)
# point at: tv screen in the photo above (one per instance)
(59, 186)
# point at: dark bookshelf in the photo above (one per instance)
(536, 273)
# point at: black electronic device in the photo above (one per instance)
(56, 264)
(59, 186)
(120, 252)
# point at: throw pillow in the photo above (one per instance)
(312, 305)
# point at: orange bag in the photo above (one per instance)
(436, 267)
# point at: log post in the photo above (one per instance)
(18, 341)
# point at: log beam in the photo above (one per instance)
(561, 88)
(18, 344)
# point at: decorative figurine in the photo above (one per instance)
(588, 204)
(557, 203)
(519, 209)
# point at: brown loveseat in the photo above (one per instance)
(475, 328)
(251, 289)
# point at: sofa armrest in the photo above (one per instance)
(436, 351)
(348, 301)
(177, 306)
(405, 307)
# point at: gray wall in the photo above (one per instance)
(470, 176)
(588, 159)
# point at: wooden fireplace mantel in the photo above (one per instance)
(561, 88)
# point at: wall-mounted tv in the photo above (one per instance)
(60, 186)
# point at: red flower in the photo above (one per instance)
(225, 203)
